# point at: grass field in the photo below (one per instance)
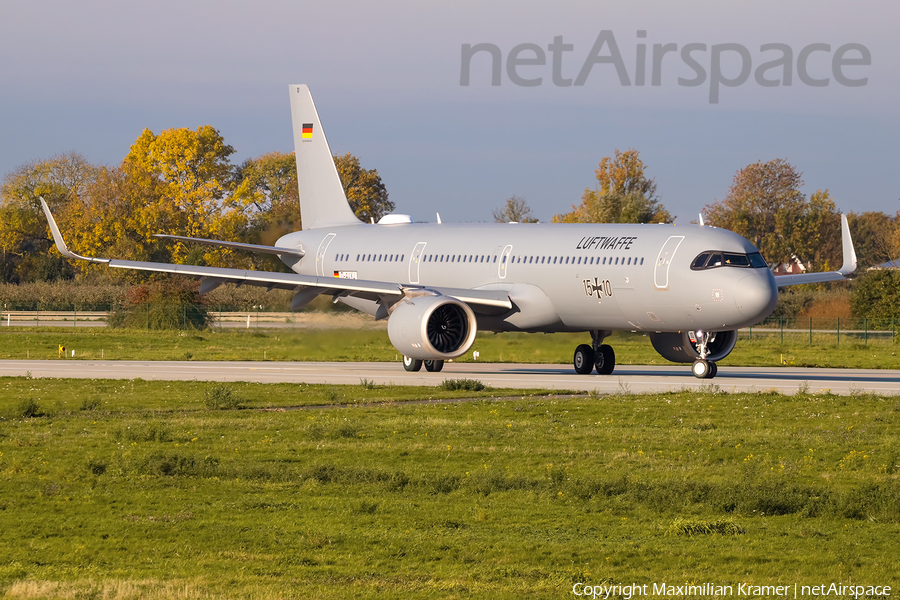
(138, 489)
(359, 345)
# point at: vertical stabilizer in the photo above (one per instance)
(322, 199)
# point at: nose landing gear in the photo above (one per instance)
(703, 368)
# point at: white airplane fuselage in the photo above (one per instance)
(561, 277)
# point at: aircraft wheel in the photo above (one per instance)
(584, 359)
(605, 359)
(411, 364)
(714, 370)
(701, 369)
(433, 366)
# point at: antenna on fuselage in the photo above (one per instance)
(701, 220)
(438, 217)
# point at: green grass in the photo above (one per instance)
(134, 489)
(370, 346)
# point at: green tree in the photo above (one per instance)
(766, 206)
(873, 237)
(365, 191)
(624, 194)
(876, 295)
(267, 189)
(515, 210)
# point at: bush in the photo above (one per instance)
(61, 295)
(221, 397)
(173, 303)
(28, 408)
(470, 385)
(692, 527)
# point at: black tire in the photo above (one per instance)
(605, 359)
(411, 364)
(583, 359)
(701, 369)
(714, 370)
(433, 366)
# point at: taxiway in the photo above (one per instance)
(626, 379)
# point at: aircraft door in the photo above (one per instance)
(664, 261)
(415, 260)
(504, 260)
(320, 254)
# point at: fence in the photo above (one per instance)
(823, 331)
(183, 317)
(798, 331)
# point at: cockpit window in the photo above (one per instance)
(712, 259)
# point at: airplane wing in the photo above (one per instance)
(846, 269)
(212, 277)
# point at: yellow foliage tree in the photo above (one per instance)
(365, 191)
(623, 194)
(192, 184)
(24, 237)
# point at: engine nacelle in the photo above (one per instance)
(432, 327)
(679, 347)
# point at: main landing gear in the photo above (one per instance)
(414, 364)
(703, 368)
(598, 355)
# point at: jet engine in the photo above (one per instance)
(432, 327)
(681, 347)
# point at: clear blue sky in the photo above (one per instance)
(89, 76)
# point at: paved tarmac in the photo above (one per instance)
(626, 379)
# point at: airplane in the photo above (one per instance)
(689, 288)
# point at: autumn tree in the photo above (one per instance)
(24, 237)
(266, 189)
(515, 210)
(366, 193)
(874, 236)
(624, 194)
(766, 206)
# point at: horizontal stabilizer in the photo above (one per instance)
(237, 245)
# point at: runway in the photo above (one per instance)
(626, 379)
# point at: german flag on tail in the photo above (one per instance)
(307, 131)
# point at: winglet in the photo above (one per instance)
(849, 252)
(61, 244)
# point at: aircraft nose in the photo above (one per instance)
(756, 295)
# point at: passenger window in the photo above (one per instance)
(642, 260)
